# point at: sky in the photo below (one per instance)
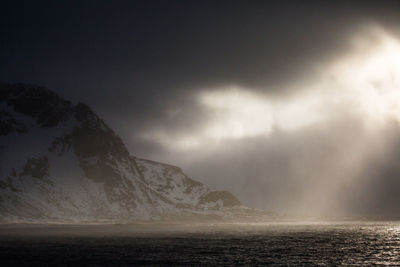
(292, 106)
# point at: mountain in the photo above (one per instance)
(60, 162)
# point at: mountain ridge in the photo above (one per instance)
(61, 162)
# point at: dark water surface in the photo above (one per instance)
(355, 243)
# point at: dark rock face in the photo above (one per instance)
(37, 168)
(38, 102)
(99, 151)
(9, 125)
(94, 138)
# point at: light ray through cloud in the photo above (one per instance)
(365, 82)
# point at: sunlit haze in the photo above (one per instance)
(363, 82)
(338, 121)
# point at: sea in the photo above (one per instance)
(289, 243)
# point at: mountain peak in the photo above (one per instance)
(36, 101)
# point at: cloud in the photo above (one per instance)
(309, 151)
(364, 81)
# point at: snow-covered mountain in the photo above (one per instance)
(61, 162)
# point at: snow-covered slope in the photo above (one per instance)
(61, 162)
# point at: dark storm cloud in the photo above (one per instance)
(137, 55)
(139, 64)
